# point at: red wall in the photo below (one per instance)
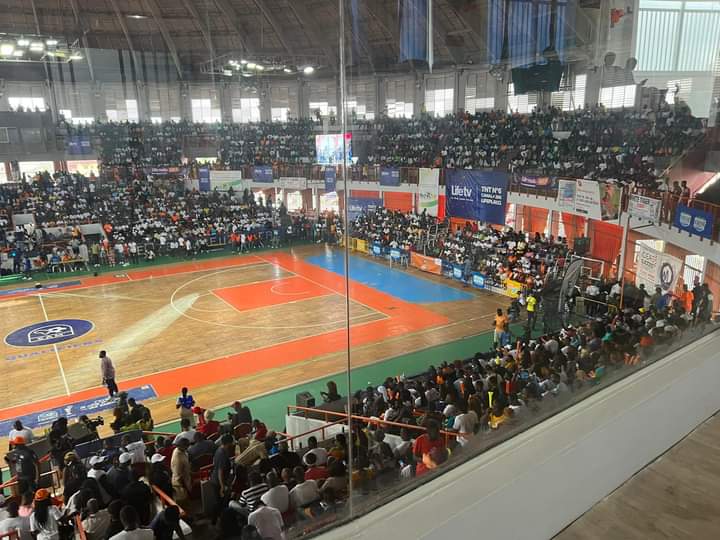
(398, 201)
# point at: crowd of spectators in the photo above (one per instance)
(592, 142)
(142, 219)
(257, 484)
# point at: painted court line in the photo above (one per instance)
(54, 346)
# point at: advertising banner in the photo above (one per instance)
(329, 148)
(263, 173)
(644, 208)
(360, 205)
(432, 265)
(656, 269)
(536, 181)
(389, 176)
(587, 198)
(513, 288)
(428, 191)
(330, 179)
(457, 271)
(377, 250)
(361, 245)
(78, 145)
(204, 178)
(478, 280)
(477, 195)
(292, 182)
(610, 198)
(694, 221)
(566, 195)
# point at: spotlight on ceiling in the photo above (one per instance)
(22, 42)
(243, 61)
(308, 70)
(287, 70)
(136, 16)
(6, 49)
(260, 67)
(227, 72)
(51, 42)
(37, 46)
(251, 65)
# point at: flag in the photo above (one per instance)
(416, 31)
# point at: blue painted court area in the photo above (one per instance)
(397, 283)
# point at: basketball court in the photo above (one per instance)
(228, 328)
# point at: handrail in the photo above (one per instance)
(167, 500)
(79, 529)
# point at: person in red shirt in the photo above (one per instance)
(211, 426)
(424, 445)
(260, 430)
(315, 472)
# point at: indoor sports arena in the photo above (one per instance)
(282, 269)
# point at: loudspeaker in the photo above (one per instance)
(304, 399)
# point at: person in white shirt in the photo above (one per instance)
(277, 496)
(305, 492)
(15, 523)
(44, 521)
(131, 522)
(21, 431)
(268, 522)
(465, 424)
(186, 433)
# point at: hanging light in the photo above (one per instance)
(22, 42)
(37, 46)
(51, 42)
(76, 56)
(260, 67)
(251, 65)
(308, 70)
(17, 53)
(6, 49)
(287, 70)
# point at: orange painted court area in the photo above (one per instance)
(309, 281)
(271, 293)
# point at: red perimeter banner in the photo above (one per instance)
(426, 264)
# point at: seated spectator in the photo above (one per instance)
(268, 522)
(305, 492)
(186, 432)
(131, 526)
(424, 444)
(278, 496)
(319, 452)
(201, 447)
(96, 522)
(211, 426)
(314, 472)
(166, 524)
(250, 497)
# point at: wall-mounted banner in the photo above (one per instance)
(587, 198)
(292, 182)
(694, 221)
(478, 280)
(656, 269)
(78, 145)
(330, 179)
(360, 205)
(513, 288)
(428, 191)
(263, 173)
(536, 181)
(594, 199)
(476, 195)
(204, 179)
(566, 195)
(389, 176)
(644, 208)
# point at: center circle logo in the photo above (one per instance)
(48, 332)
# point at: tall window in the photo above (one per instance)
(479, 95)
(399, 98)
(616, 97)
(203, 111)
(520, 103)
(248, 110)
(693, 268)
(439, 95)
(27, 103)
(570, 97)
(361, 100)
(3, 174)
(131, 105)
(677, 36)
(323, 99)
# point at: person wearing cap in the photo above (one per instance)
(26, 465)
(45, 519)
(160, 475)
(73, 475)
(119, 474)
(19, 430)
(181, 471)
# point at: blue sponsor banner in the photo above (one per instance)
(476, 195)
(694, 221)
(51, 286)
(457, 272)
(204, 178)
(78, 145)
(447, 268)
(330, 179)
(377, 250)
(263, 173)
(415, 28)
(362, 205)
(395, 254)
(389, 176)
(48, 332)
(89, 407)
(478, 280)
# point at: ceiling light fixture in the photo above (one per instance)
(22, 42)
(76, 56)
(287, 70)
(260, 67)
(251, 65)
(51, 42)
(136, 16)
(308, 70)
(6, 49)
(17, 53)
(243, 61)
(37, 46)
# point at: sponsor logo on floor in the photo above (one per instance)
(48, 332)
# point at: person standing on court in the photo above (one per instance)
(108, 373)
(185, 404)
(531, 307)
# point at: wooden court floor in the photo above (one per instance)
(228, 328)
(676, 497)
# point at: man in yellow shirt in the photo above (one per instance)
(501, 322)
(531, 307)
